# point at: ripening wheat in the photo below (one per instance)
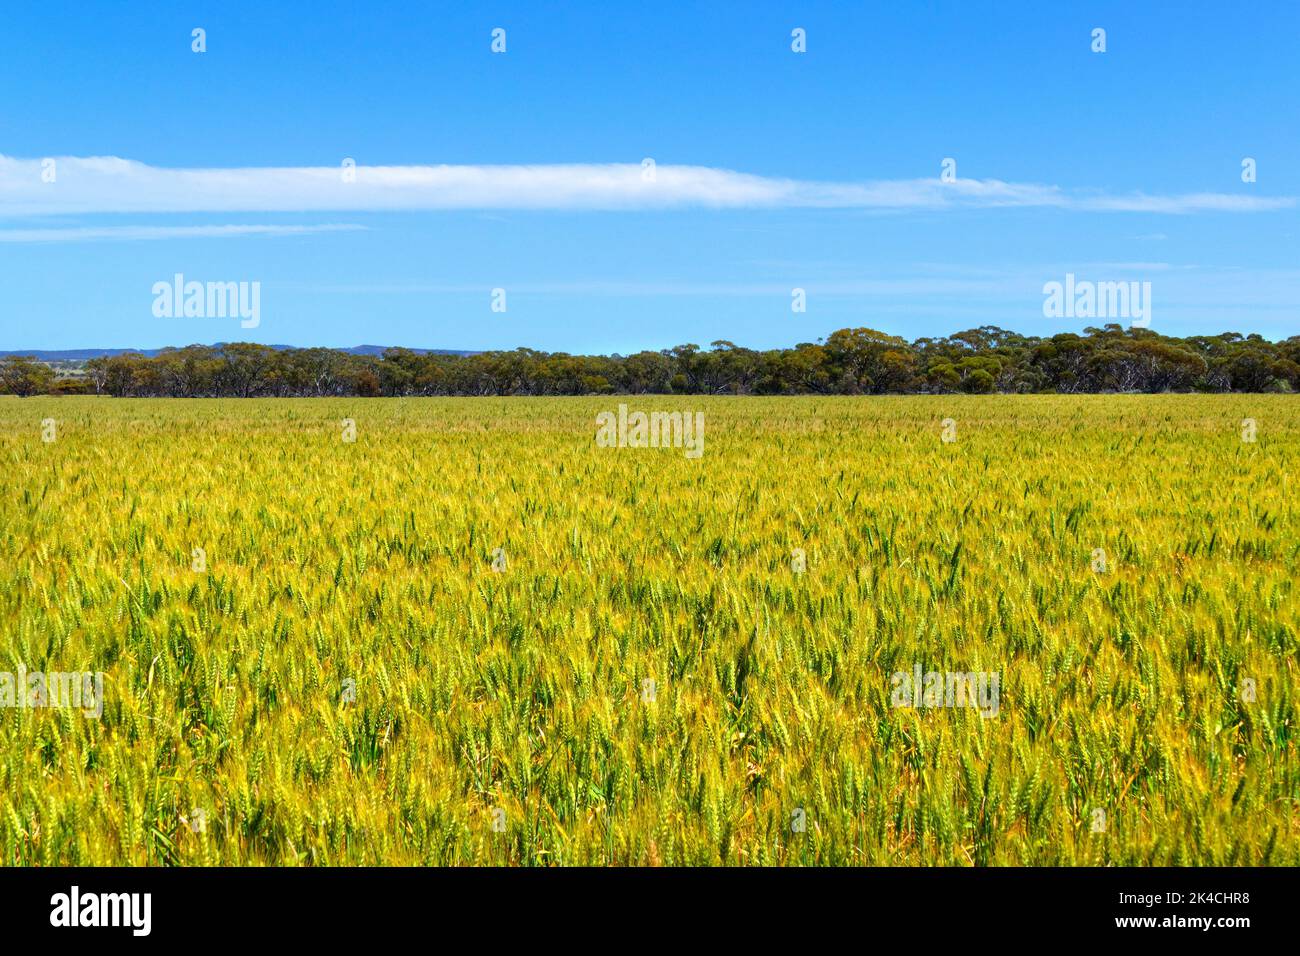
(471, 635)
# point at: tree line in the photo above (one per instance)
(848, 362)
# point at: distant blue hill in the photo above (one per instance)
(81, 355)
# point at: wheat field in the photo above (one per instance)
(473, 636)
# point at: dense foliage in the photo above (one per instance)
(848, 362)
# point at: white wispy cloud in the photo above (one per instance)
(86, 185)
(144, 233)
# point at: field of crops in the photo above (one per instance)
(473, 636)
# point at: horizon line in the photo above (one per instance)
(711, 346)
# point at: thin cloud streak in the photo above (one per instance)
(88, 185)
(148, 233)
(1185, 286)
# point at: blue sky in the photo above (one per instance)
(775, 169)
